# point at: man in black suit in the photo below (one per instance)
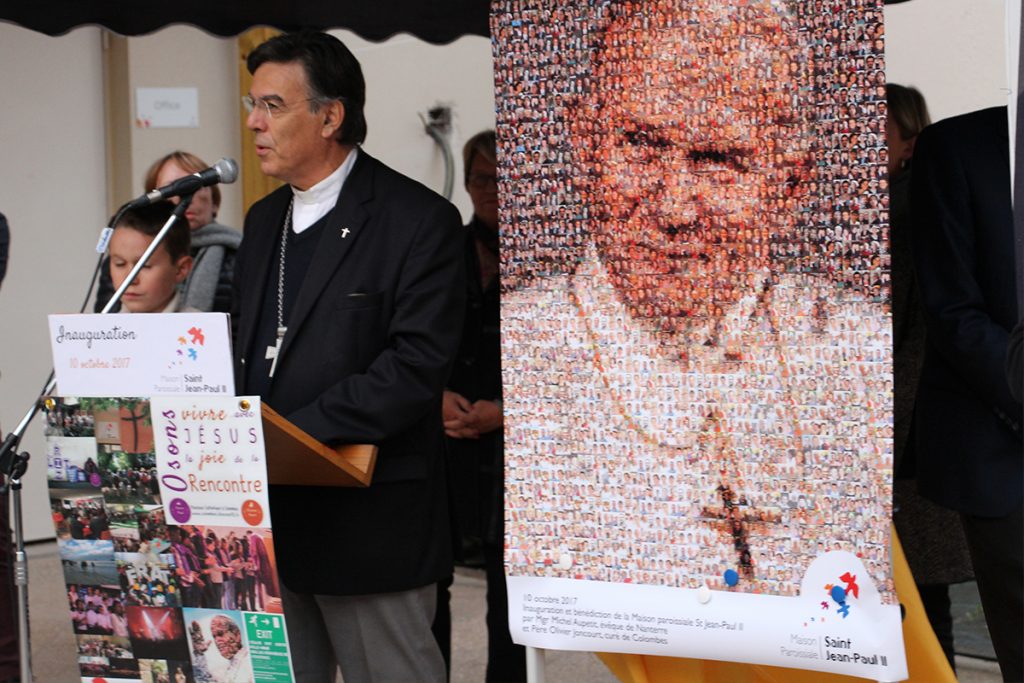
(968, 425)
(349, 296)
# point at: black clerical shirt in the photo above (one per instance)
(298, 255)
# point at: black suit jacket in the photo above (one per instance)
(370, 342)
(967, 423)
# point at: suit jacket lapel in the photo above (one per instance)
(264, 265)
(342, 231)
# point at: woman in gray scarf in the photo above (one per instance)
(208, 287)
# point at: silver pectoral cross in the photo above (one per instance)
(273, 351)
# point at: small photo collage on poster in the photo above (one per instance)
(148, 601)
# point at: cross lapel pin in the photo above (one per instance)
(345, 232)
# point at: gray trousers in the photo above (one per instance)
(382, 638)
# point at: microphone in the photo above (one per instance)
(224, 171)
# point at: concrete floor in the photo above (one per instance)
(53, 647)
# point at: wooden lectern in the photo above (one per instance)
(295, 458)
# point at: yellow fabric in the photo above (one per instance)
(926, 662)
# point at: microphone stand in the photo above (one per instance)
(13, 465)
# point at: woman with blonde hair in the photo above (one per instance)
(208, 286)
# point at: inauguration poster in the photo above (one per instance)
(696, 331)
(121, 354)
(165, 539)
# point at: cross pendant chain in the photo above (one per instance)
(273, 351)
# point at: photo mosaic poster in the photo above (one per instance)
(696, 332)
(175, 589)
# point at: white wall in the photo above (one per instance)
(53, 192)
(405, 77)
(953, 51)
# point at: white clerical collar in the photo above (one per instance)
(313, 204)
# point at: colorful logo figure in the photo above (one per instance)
(839, 594)
(188, 344)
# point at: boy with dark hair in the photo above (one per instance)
(155, 288)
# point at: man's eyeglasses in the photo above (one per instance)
(273, 107)
(481, 180)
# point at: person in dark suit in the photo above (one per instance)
(931, 535)
(968, 425)
(474, 421)
(349, 296)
